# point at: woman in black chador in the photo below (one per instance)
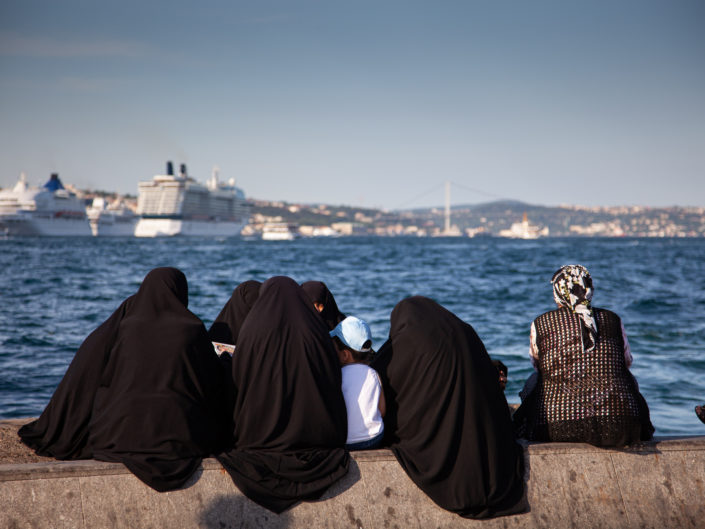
(144, 389)
(447, 420)
(226, 329)
(290, 423)
(325, 304)
(226, 326)
(582, 390)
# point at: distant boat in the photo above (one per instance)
(11, 200)
(324, 231)
(524, 230)
(111, 220)
(171, 205)
(279, 231)
(453, 231)
(478, 233)
(48, 210)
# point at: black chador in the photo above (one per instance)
(144, 389)
(226, 329)
(447, 420)
(319, 294)
(290, 422)
(227, 324)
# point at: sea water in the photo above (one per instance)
(55, 291)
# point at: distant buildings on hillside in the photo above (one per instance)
(497, 219)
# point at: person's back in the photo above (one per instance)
(583, 389)
(447, 422)
(144, 389)
(288, 416)
(584, 397)
(362, 388)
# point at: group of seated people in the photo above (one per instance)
(303, 386)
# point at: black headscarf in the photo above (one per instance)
(290, 419)
(144, 389)
(226, 326)
(447, 420)
(318, 292)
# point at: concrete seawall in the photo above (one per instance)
(657, 484)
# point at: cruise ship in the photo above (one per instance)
(47, 210)
(172, 204)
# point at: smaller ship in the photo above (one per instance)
(113, 219)
(11, 200)
(524, 230)
(48, 210)
(279, 231)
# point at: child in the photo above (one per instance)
(362, 389)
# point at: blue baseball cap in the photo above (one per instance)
(355, 334)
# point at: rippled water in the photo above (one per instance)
(54, 291)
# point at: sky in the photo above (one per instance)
(367, 104)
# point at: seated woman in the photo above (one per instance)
(225, 331)
(447, 420)
(583, 390)
(325, 304)
(289, 415)
(144, 389)
(226, 326)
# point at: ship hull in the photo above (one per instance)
(278, 237)
(117, 230)
(106, 226)
(190, 228)
(30, 225)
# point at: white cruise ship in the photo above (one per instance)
(171, 205)
(47, 210)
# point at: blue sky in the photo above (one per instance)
(372, 104)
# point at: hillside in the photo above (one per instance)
(492, 217)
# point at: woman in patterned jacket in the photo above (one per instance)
(583, 390)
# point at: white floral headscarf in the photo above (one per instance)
(572, 289)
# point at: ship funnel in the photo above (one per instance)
(212, 182)
(54, 183)
(170, 168)
(183, 169)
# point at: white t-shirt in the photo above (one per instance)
(361, 389)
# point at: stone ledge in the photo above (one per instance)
(56, 469)
(658, 444)
(60, 469)
(659, 484)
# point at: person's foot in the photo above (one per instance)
(700, 412)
